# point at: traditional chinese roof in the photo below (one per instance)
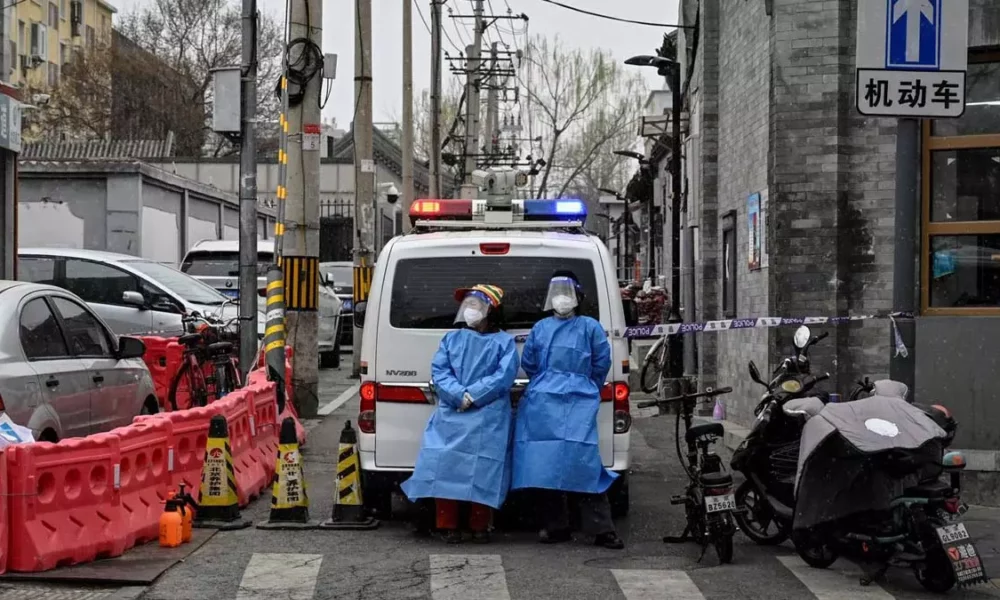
(99, 149)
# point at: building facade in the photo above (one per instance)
(790, 200)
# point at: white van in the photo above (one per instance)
(455, 244)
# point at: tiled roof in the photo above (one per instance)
(99, 149)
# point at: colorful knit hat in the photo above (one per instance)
(489, 293)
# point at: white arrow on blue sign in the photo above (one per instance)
(911, 57)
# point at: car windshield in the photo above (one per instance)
(185, 286)
(201, 263)
(423, 288)
(343, 276)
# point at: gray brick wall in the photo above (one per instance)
(744, 108)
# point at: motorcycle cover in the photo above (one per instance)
(858, 456)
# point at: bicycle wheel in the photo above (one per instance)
(188, 388)
(649, 377)
(227, 378)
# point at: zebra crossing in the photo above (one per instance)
(485, 577)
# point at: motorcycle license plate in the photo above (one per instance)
(952, 533)
(714, 504)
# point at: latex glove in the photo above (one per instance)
(466, 403)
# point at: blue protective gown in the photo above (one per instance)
(466, 455)
(555, 434)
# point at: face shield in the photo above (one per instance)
(473, 309)
(562, 296)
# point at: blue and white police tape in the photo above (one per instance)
(651, 331)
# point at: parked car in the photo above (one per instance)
(341, 276)
(63, 372)
(133, 295)
(216, 262)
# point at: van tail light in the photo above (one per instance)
(366, 415)
(494, 249)
(372, 392)
(618, 393)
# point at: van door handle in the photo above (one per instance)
(98, 378)
(52, 382)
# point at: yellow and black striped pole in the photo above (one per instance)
(282, 191)
(274, 331)
(301, 282)
(218, 504)
(348, 502)
(289, 499)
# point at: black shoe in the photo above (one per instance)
(452, 537)
(481, 537)
(611, 541)
(554, 537)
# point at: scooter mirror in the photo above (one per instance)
(755, 374)
(802, 336)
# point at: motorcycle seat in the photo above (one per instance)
(929, 489)
(707, 429)
(716, 479)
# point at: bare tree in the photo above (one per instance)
(584, 105)
(193, 37)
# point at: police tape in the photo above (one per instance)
(651, 331)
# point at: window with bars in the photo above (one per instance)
(960, 256)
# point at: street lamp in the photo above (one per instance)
(678, 346)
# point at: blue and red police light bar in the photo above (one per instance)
(556, 209)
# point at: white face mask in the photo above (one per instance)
(473, 316)
(563, 305)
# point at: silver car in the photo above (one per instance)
(216, 262)
(63, 373)
(133, 295)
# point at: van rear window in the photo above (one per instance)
(423, 288)
(220, 264)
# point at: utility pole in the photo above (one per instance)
(407, 115)
(364, 167)
(248, 190)
(435, 157)
(678, 345)
(472, 87)
(492, 102)
(902, 364)
(300, 242)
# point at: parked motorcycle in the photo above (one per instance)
(708, 499)
(868, 487)
(768, 456)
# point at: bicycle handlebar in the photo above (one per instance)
(709, 393)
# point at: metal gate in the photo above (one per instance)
(336, 225)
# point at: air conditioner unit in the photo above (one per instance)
(25, 62)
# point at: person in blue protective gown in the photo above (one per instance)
(465, 455)
(567, 358)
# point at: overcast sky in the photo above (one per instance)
(574, 29)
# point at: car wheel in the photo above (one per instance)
(150, 407)
(618, 496)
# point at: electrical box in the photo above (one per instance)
(329, 66)
(226, 100)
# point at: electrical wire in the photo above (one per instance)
(618, 19)
(421, 13)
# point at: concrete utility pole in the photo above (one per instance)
(472, 87)
(902, 367)
(300, 244)
(364, 167)
(492, 102)
(248, 190)
(407, 190)
(435, 157)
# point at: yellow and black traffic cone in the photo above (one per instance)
(348, 504)
(219, 505)
(289, 500)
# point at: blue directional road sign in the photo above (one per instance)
(913, 34)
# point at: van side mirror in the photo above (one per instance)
(134, 299)
(631, 313)
(359, 314)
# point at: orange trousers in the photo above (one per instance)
(448, 511)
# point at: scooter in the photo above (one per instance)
(708, 499)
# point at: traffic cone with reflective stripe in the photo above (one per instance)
(218, 505)
(289, 501)
(348, 505)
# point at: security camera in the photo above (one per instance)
(392, 195)
(40, 99)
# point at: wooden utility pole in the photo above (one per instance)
(492, 102)
(364, 168)
(472, 87)
(407, 194)
(300, 241)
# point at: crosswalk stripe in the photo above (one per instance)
(461, 577)
(833, 584)
(284, 576)
(638, 584)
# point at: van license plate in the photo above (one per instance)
(952, 533)
(715, 504)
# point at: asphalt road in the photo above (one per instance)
(390, 564)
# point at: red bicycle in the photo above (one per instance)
(209, 368)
